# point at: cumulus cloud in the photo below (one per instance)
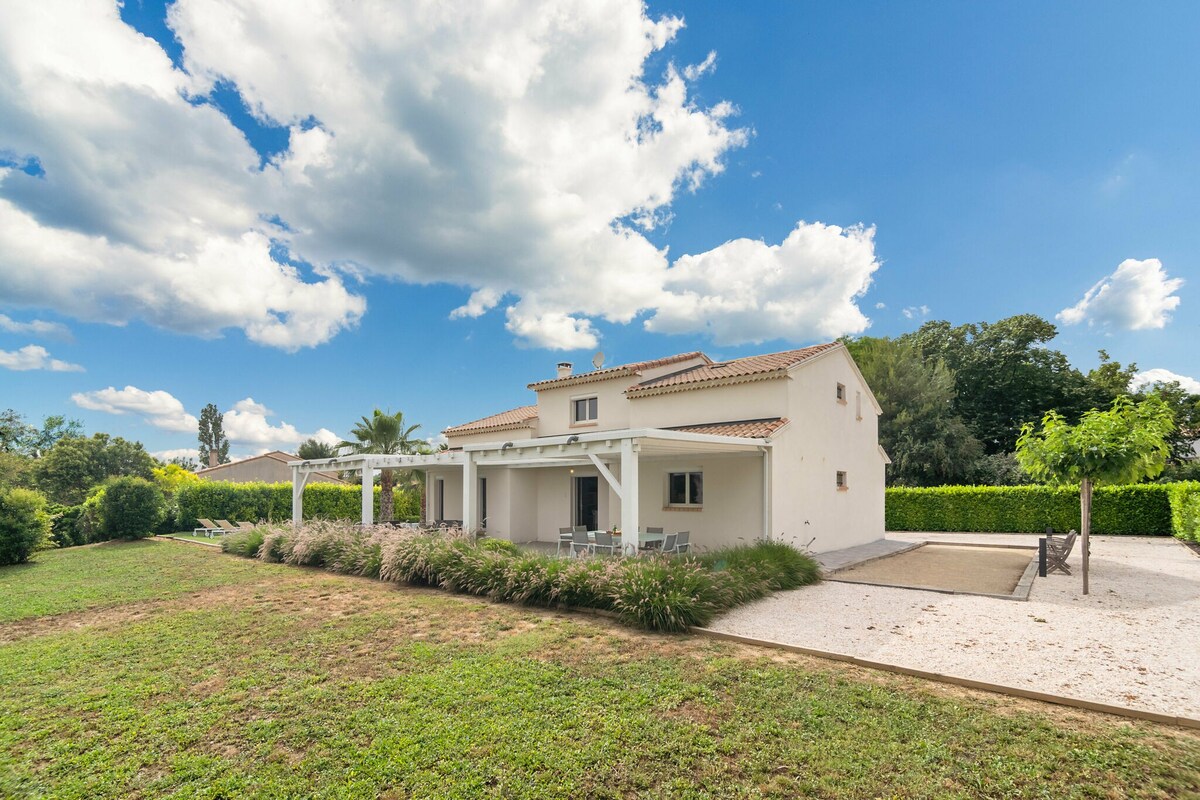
(160, 408)
(745, 291)
(512, 148)
(915, 312)
(1152, 376)
(1137, 296)
(178, 452)
(35, 327)
(33, 356)
(247, 424)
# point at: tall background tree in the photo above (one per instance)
(924, 436)
(313, 448)
(1125, 444)
(214, 446)
(383, 434)
(75, 465)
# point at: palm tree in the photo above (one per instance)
(383, 434)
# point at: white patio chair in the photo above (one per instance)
(605, 543)
(580, 541)
(564, 537)
(682, 544)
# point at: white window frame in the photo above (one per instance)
(687, 488)
(593, 405)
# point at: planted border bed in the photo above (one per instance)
(658, 592)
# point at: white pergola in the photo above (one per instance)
(626, 447)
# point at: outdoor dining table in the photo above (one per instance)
(643, 538)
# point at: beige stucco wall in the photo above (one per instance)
(486, 437)
(756, 400)
(826, 436)
(613, 409)
(267, 470)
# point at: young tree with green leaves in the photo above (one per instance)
(214, 446)
(312, 449)
(383, 434)
(1122, 445)
(75, 465)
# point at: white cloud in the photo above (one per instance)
(32, 356)
(1137, 296)
(35, 327)
(915, 312)
(513, 148)
(1152, 376)
(694, 71)
(179, 452)
(160, 408)
(880, 306)
(748, 291)
(246, 424)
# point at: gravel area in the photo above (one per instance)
(1134, 641)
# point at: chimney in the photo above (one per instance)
(564, 369)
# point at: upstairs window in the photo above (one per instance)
(841, 481)
(685, 489)
(585, 409)
(841, 392)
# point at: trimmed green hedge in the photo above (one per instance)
(1185, 510)
(252, 502)
(1141, 509)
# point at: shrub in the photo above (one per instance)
(132, 507)
(665, 593)
(1141, 509)
(1185, 510)
(64, 526)
(24, 525)
(89, 526)
(244, 543)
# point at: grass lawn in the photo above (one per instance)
(196, 537)
(176, 671)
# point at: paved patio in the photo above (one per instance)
(1131, 642)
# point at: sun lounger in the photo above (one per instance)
(208, 528)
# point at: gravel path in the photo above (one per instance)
(1134, 641)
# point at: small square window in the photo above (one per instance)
(841, 480)
(841, 392)
(685, 488)
(585, 409)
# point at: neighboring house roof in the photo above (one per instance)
(748, 428)
(513, 418)
(615, 372)
(739, 370)
(274, 455)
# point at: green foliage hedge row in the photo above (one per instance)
(662, 593)
(1185, 510)
(254, 502)
(1141, 509)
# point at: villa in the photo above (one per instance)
(781, 446)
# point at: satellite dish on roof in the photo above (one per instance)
(598, 359)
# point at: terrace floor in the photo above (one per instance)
(1131, 642)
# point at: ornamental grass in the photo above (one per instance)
(655, 592)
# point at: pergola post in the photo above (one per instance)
(428, 497)
(766, 493)
(298, 482)
(368, 495)
(468, 503)
(629, 497)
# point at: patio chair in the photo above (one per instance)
(669, 542)
(564, 537)
(208, 528)
(580, 541)
(226, 525)
(682, 543)
(1057, 551)
(245, 526)
(605, 541)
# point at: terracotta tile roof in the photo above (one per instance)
(513, 418)
(749, 428)
(615, 372)
(739, 370)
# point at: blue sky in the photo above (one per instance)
(155, 167)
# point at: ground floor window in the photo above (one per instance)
(685, 488)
